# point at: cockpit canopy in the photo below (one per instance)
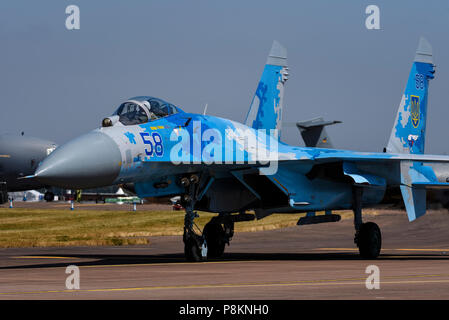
(139, 110)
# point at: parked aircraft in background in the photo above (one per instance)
(19, 157)
(229, 168)
(314, 133)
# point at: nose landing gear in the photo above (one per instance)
(198, 246)
(195, 245)
(215, 238)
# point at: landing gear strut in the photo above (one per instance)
(367, 235)
(195, 245)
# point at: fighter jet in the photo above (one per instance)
(19, 157)
(234, 169)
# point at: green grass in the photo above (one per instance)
(61, 227)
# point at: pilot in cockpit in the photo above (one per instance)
(148, 105)
(131, 113)
(140, 110)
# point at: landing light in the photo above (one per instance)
(107, 122)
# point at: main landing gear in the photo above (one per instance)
(367, 235)
(219, 231)
(198, 246)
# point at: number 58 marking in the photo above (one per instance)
(155, 144)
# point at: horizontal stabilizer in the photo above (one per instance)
(416, 178)
(316, 122)
(415, 201)
(314, 133)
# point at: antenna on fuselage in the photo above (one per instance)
(205, 109)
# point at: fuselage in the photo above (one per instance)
(153, 155)
(250, 168)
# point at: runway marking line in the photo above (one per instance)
(202, 263)
(138, 264)
(169, 264)
(385, 249)
(210, 262)
(42, 257)
(345, 281)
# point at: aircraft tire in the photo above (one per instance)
(3, 193)
(192, 250)
(215, 235)
(3, 197)
(49, 196)
(369, 240)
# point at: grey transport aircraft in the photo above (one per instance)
(20, 155)
(314, 133)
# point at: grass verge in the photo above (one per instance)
(24, 227)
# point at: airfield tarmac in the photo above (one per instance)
(307, 262)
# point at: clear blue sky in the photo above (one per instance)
(57, 84)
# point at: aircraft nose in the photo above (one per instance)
(89, 161)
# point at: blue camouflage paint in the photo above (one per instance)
(410, 127)
(130, 137)
(268, 96)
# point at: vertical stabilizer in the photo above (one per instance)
(265, 111)
(409, 130)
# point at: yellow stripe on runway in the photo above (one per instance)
(42, 257)
(338, 249)
(171, 264)
(346, 281)
(384, 249)
(431, 250)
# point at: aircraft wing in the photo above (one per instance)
(412, 173)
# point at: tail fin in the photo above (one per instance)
(409, 131)
(265, 111)
(314, 133)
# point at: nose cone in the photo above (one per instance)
(89, 161)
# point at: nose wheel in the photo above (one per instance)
(215, 238)
(195, 248)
